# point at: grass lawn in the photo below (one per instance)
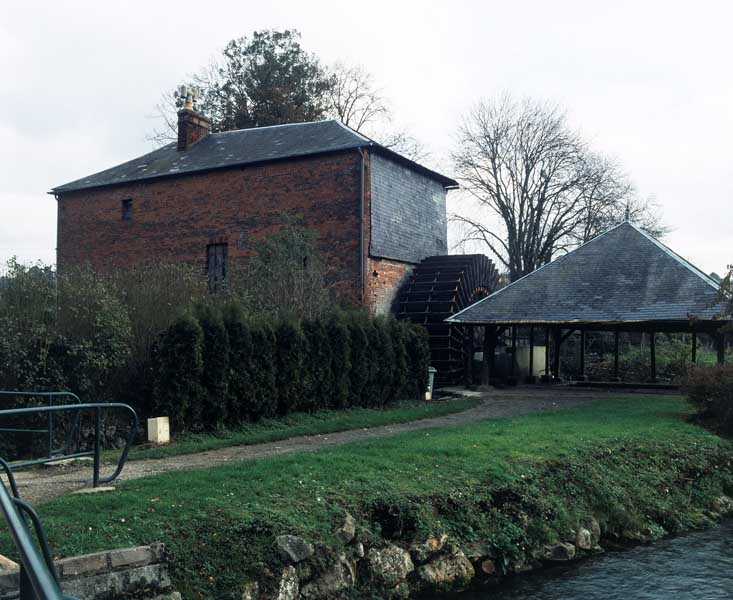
(297, 424)
(631, 463)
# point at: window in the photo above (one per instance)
(216, 264)
(127, 210)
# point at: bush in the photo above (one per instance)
(262, 368)
(215, 376)
(236, 370)
(240, 389)
(339, 343)
(710, 389)
(178, 361)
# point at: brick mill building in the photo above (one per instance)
(207, 198)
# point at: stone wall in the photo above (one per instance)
(142, 571)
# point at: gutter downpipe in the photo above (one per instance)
(362, 236)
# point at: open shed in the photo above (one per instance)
(623, 280)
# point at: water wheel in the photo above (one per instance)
(441, 286)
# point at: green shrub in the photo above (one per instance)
(290, 350)
(341, 363)
(710, 389)
(215, 376)
(400, 371)
(418, 355)
(240, 389)
(179, 365)
(262, 369)
(318, 382)
(361, 364)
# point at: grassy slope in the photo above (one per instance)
(631, 463)
(297, 424)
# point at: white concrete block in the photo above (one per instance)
(159, 431)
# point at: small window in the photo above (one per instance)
(216, 264)
(127, 210)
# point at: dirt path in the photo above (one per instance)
(43, 484)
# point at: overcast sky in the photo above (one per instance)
(648, 82)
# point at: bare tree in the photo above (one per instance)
(526, 169)
(359, 104)
(353, 98)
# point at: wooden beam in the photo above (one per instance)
(556, 357)
(653, 355)
(487, 366)
(615, 354)
(694, 347)
(530, 375)
(547, 354)
(513, 366)
(720, 347)
(468, 375)
(581, 364)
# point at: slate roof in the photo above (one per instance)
(621, 276)
(242, 147)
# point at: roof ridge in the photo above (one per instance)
(274, 126)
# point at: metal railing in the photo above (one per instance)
(49, 431)
(38, 579)
(65, 451)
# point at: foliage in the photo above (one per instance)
(524, 166)
(215, 355)
(266, 79)
(286, 278)
(710, 389)
(252, 369)
(178, 363)
(61, 332)
(725, 296)
(633, 464)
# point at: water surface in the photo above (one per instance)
(695, 566)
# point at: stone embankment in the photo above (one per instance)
(363, 566)
(140, 572)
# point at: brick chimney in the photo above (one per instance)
(192, 126)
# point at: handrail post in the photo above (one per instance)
(26, 587)
(97, 433)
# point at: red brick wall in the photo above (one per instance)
(384, 279)
(175, 218)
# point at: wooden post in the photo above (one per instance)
(556, 357)
(513, 366)
(468, 380)
(694, 347)
(720, 347)
(487, 367)
(582, 355)
(615, 354)
(530, 375)
(653, 355)
(546, 376)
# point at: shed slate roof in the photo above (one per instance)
(242, 147)
(621, 276)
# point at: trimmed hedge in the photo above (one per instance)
(219, 369)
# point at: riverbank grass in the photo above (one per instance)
(635, 465)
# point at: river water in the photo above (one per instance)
(694, 566)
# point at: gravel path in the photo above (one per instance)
(45, 483)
